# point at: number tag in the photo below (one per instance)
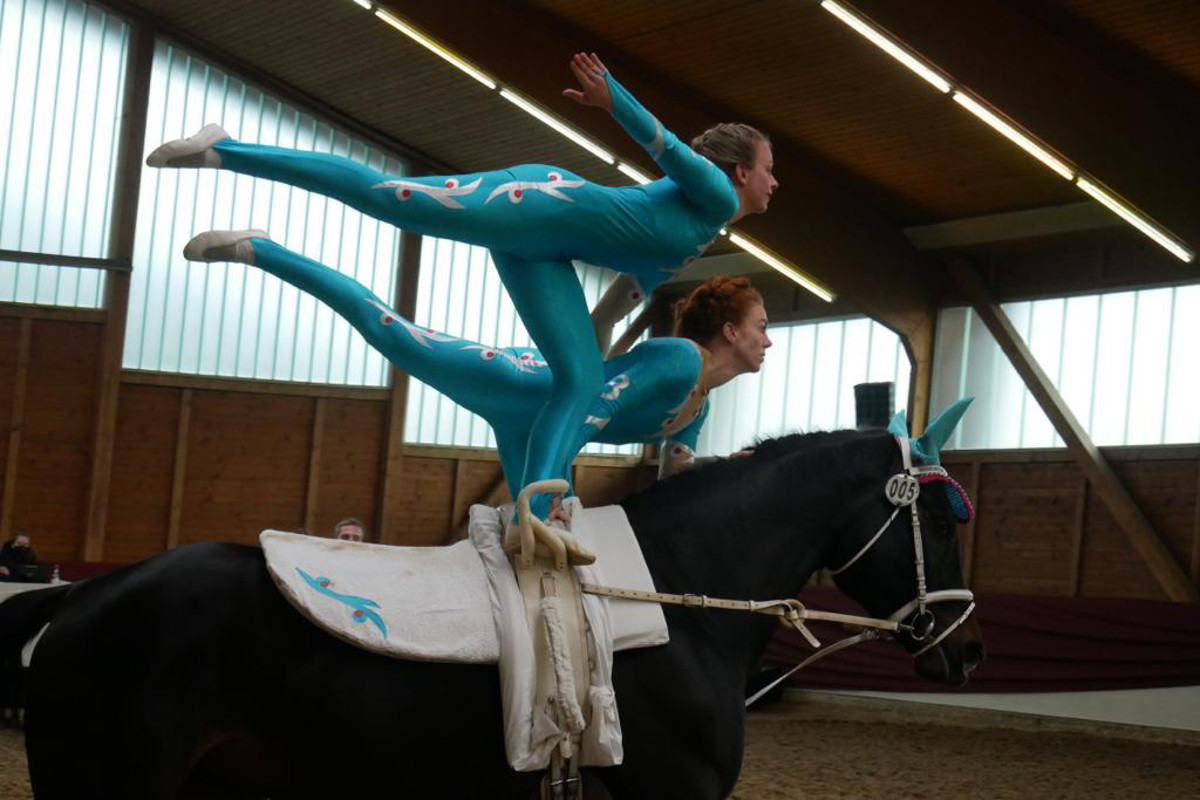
(902, 490)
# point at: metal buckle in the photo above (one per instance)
(695, 600)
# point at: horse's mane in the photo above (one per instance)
(705, 490)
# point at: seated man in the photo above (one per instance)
(349, 530)
(18, 561)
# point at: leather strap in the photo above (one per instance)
(866, 635)
(790, 611)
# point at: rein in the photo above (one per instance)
(902, 490)
(790, 611)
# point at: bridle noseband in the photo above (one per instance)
(902, 490)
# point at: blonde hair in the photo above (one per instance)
(730, 144)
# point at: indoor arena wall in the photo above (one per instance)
(199, 459)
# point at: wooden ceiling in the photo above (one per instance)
(864, 149)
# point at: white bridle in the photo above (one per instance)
(902, 491)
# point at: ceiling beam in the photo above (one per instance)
(1121, 132)
(1012, 226)
(823, 228)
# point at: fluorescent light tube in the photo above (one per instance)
(1014, 135)
(1136, 220)
(780, 265)
(915, 63)
(434, 48)
(633, 172)
(364, 3)
(885, 44)
(576, 137)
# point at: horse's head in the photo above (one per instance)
(894, 550)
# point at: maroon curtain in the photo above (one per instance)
(79, 570)
(1034, 644)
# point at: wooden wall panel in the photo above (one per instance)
(139, 503)
(10, 338)
(601, 486)
(56, 439)
(247, 466)
(248, 455)
(1024, 495)
(348, 473)
(425, 507)
(1166, 491)
(1110, 565)
(474, 479)
(1023, 536)
(478, 477)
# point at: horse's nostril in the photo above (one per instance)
(973, 655)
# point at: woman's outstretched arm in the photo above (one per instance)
(702, 181)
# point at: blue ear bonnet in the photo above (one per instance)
(960, 504)
(926, 449)
(956, 495)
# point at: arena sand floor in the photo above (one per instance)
(834, 749)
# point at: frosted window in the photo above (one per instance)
(1124, 364)
(62, 74)
(806, 383)
(231, 319)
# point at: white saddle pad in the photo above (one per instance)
(424, 603)
(432, 603)
(620, 564)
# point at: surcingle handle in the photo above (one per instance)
(560, 545)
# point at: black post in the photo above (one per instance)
(873, 404)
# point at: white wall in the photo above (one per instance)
(1177, 708)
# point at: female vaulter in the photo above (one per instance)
(535, 219)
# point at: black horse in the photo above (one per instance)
(189, 676)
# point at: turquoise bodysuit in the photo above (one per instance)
(653, 393)
(535, 220)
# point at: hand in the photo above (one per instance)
(558, 511)
(593, 91)
(4, 571)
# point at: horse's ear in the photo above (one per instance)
(937, 432)
(899, 425)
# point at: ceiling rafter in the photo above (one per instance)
(1103, 120)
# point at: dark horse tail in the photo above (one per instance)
(24, 614)
(21, 617)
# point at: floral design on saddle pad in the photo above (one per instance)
(361, 605)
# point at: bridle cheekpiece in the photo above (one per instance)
(902, 491)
